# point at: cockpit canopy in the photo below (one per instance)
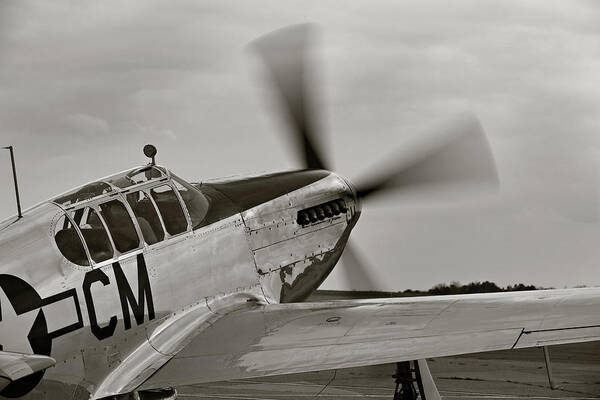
(114, 183)
(122, 213)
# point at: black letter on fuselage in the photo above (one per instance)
(97, 275)
(127, 296)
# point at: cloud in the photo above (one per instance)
(87, 125)
(169, 134)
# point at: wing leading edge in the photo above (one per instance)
(14, 366)
(289, 338)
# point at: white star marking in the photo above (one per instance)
(15, 328)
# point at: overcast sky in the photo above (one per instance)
(84, 85)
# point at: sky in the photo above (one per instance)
(84, 85)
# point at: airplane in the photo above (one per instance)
(139, 282)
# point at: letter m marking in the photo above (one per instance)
(128, 299)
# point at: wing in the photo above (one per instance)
(290, 338)
(15, 366)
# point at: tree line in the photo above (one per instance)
(469, 288)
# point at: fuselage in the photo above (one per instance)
(132, 265)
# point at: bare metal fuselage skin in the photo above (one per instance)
(144, 306)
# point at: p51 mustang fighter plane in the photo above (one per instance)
(142, 281)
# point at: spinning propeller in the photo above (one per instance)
(454, 156)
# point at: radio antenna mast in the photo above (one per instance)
(14, 170)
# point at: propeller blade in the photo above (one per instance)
(284, 54)
(356, 271)
(460, 155)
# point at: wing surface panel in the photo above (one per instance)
(289, 338)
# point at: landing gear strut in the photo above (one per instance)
(406, 376)
(414, 381)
